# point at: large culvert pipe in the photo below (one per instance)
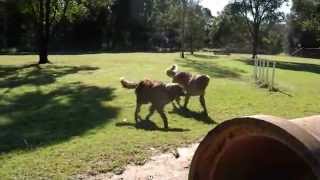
(260, 148)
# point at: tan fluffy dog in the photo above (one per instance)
(156, 93)
(194, 85)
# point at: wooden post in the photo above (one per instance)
(267, 72)
(263, 69)
(3, 23)
(255, 69)
(184, 6)
(259, 69)
(273, 75)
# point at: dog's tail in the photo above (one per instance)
(172, 70)
(128, 84)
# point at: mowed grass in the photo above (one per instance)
(73, 117)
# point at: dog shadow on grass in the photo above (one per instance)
(148, 125)
(198, 116)
(40, 114)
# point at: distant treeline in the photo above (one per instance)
(138, 25)
(151, 25)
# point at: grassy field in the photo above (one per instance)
(73, 117)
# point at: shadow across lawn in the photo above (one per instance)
(198, 116)
(39, 118)
(149, 126)
(292, 66)
(33, 74)
(210, 68)
(204, 56)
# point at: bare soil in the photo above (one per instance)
(169, 166)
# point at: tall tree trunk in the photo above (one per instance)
(4, 29)
(183, 28)
(255, 41)
(191, 45)
(63, 26)
(44, 31)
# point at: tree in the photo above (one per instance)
(196, 24)
(304, 23)
(47, 13)
(194, 19)
(9, 29)
(3, 25)
(256, 13)
(164, 24)
(94, 25)
(44, 13)
(229, 31)
(97, 17)
(183, 26)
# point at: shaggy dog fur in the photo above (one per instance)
(194, 85)
(154, 92)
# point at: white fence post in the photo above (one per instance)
(261, 72)
(267, 72)
(255, 68)
(273, 76)
(259, 69)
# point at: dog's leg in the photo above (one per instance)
(178, 105)
(187, 98)
(203, 104)
(178, 99)
(164, 118)
(151, 111)
(136, 114)
(174, 106)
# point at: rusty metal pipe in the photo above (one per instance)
(260, 148)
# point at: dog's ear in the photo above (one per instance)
(174, 67)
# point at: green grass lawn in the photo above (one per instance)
(73, 117)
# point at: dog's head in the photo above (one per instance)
(172, 71)
(175, 90)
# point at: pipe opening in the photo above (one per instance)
(261, 158)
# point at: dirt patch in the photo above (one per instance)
(174, 166)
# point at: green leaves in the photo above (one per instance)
(259, 11)
(67, 10)
(308, 14)
(305, 24)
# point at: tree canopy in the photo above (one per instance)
(305, 24)
(156, 25)
(257, 13)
